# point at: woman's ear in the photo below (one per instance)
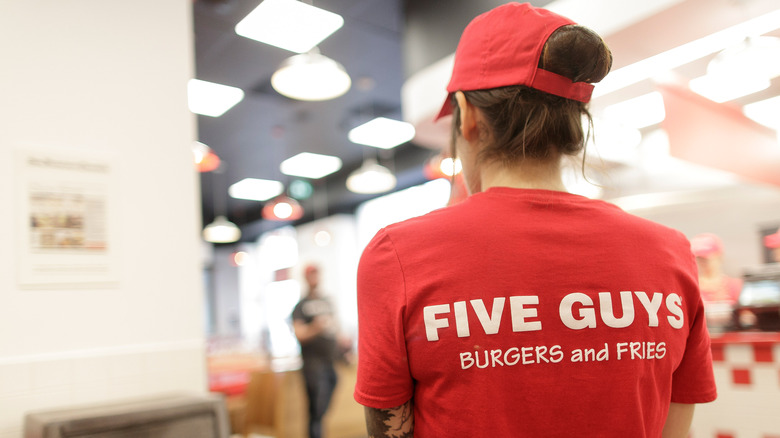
(468, 117)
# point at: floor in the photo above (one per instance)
(274, 406)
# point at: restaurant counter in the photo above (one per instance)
(747, 373)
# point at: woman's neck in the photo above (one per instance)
(527, 174)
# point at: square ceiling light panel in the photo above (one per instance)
(289, 24)
(382, 133)
(211, 99)
(309, 165)
(255, 189)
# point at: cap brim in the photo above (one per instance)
(446, 109)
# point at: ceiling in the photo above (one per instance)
(380, 45)
(264, 129)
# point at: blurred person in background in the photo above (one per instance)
(524, 310)
(772, 242)
(719, 291)
(714, 284)
(315, 327)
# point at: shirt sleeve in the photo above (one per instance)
(693, 381)
(297, 313)
(383, 376)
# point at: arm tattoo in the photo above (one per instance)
(397, 422)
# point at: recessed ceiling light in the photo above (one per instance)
(289, 24)
(309, 165)
(638, 112)
(382, 133)
(255, 189)
(211, 99)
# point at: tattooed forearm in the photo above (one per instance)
(397, 422)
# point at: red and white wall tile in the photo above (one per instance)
(747, 372)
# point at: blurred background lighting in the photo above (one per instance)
(681, 55)
(371, 178)
(639, 112)
(282, 208)
(613, 141)
(765, 112)
(300, 189)
(205, 159)
(211, 99)
(382, 133)
(309, 165)
(279, 251)
(255, 189)
(322, 238)
(311, 77)
(719, 88)
(221, 231)
(240, 258)
(451, 167)
(289, 24)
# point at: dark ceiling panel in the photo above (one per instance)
(256, 135)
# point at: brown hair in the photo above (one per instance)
(523, 122)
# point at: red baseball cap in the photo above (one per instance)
(772, 240)
(502, 47)
(706, 244)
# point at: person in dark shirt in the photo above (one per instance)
(315, 328)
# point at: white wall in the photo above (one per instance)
(109, 77)
(736, 214)
(225, 284)
(267, 301)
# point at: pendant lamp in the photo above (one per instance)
(371, 178)
(221, 231)
(311, 76)
(282, 208)
(205, 158)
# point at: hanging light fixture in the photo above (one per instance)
(221, 231)
(371, 178)
(205, 158)
(282, 208)
(311, 76)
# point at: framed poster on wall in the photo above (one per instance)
(65, 217)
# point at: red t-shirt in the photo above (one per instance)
(528, 313)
